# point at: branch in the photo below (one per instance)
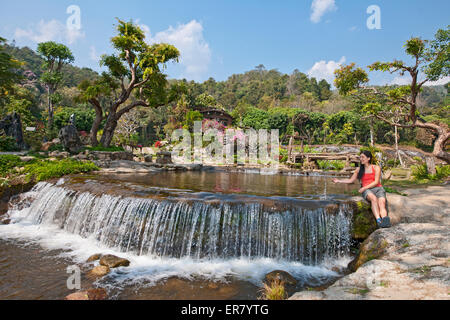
(131, 106)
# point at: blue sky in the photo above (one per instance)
(220, 38)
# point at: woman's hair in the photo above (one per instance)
(368, 154)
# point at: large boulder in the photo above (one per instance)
(12, 126)
(70, 139)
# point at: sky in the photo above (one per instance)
(220, 38)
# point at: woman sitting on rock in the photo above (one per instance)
(371, 189)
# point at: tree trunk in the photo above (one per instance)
(97, 121)
(108, 131)
(94, 130)
(396, 147)
(439, 146)
(50, 109)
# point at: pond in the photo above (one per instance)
(188, 235)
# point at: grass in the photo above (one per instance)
(274, 291)
(358, 291)
(40, 169)
(109, 149)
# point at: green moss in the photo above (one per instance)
(363, 221)
(372, 248)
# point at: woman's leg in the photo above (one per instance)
(374, 204)
(382, 207)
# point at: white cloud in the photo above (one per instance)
(406, 80)
(52, 30)
(325, 70)
(401, 81)
(320, 7)
(439, 82)
(194, 50)
(93, 54)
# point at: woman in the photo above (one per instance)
(371, 189)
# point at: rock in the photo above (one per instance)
(164, 157)
(113, 261)
(12, 126)
(94, 257)
(100, 271)
(280, 275)
(363, 221)
(70, 139)
(90, 294)
(408, 261)
(27, 159)
(46, 145)
(148, 158)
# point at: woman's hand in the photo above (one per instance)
(335, 180)
(362, 190)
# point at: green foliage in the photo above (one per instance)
(331, 164)
(191, 117)
(349, 78)
(256, 119)
(274, 291)
(7, 162)
(109, 149)
(84, 118)
(7, 143)
(44, 169)
(419, 172)
(9, 70)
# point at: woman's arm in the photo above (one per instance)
(348, 181)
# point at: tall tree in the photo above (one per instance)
(400, 108)
(55, 56)
(136, 68)
(9, 71)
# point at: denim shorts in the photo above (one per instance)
(377, 191)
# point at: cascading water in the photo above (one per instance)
(202, 228)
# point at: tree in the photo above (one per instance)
(9, 71)
(136, 69)
(400, 108)
(55, 56)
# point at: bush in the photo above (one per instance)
(274, 291)
(44, 169)
(331, 164)
(419, 172)
(7, 143)
(7, 162)
(108, 149)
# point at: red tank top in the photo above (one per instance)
(368, 178)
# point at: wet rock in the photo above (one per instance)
(12, 126)
(94, 257)
(280, 275)
(100, 271)
(363, 221)
(70, 139)
(408, 261)
(113, 261)
(90, 294)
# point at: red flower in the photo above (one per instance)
(157, 144)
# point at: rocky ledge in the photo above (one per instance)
(408, 261)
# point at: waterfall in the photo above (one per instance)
(198, 228)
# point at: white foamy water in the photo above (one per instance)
(57, 218)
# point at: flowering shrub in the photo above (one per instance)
(212, 124)
(157, 144)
